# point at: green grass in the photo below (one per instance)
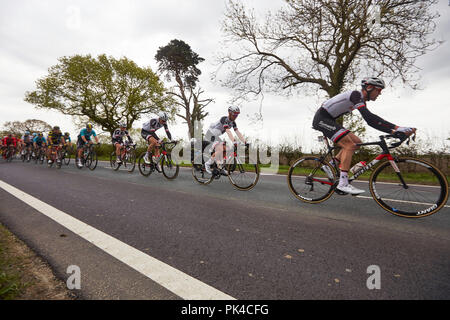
(11, 284)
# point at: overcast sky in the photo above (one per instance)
(34, 34)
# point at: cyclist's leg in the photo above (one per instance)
(349, 146)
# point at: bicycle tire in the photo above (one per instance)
(130, 160)
(66, 158)
(300, 188)
(144, 168)
(233, 167)
(166, 163)
(434, 180)
(200, 175)
(94, 160)
(113, 162)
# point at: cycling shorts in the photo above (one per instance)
(326, 124)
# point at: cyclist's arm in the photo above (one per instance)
(239, 134)
(375, 121)
(230, 135)
(168, 132)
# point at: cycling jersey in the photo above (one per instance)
(55, 137)
(119, 134)
(324, 119)
(218, 128)
(7, 141)
(27, 139)
(39, 140)
(67, 139)
(86, 134)
(149, 128)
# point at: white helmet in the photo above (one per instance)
(376, 82)
(163, 116)
(234, 109)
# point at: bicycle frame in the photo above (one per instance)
(385, 154)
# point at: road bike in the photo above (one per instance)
(26, 153)
(66, 154)
(404, 186)
(8, 152)
(128, 157)
(88, 158)
(55, 155)
(242, 176)
(39, 155)
(167, 166)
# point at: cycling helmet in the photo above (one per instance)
(66, 134)
(27, 132)
(163, 116)
(40, 134)
(89, 126)
(122, 125)
(376, 82)
(34, 134)
(234, 109)
(55, 128)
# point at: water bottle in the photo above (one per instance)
(358, 167)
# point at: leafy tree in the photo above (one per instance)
(32, 125)
(104, 90)
(326, 45)
(179, 62)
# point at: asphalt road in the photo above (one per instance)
(257, 244)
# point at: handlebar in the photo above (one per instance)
(402, 137)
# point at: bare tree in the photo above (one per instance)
(325, 44)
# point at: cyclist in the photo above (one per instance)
(39, 142)
(27, 139)
(217, 129)
(8, 141)
(84, 138)
(67, 139)
(148, 132)
(332, 109)
(117, 139)
(55, 138)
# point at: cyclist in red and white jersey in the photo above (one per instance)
(332, 109)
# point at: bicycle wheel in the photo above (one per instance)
(144, 168)
(201, 175)
(242, 177)
(112, 161)
(169, 167)
(418, 190)
(66, 157)
(130, 160)
(311, 180)
(93, 160)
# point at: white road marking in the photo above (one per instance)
(172, 279)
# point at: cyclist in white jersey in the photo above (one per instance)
(325, 121)
(216, 129)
